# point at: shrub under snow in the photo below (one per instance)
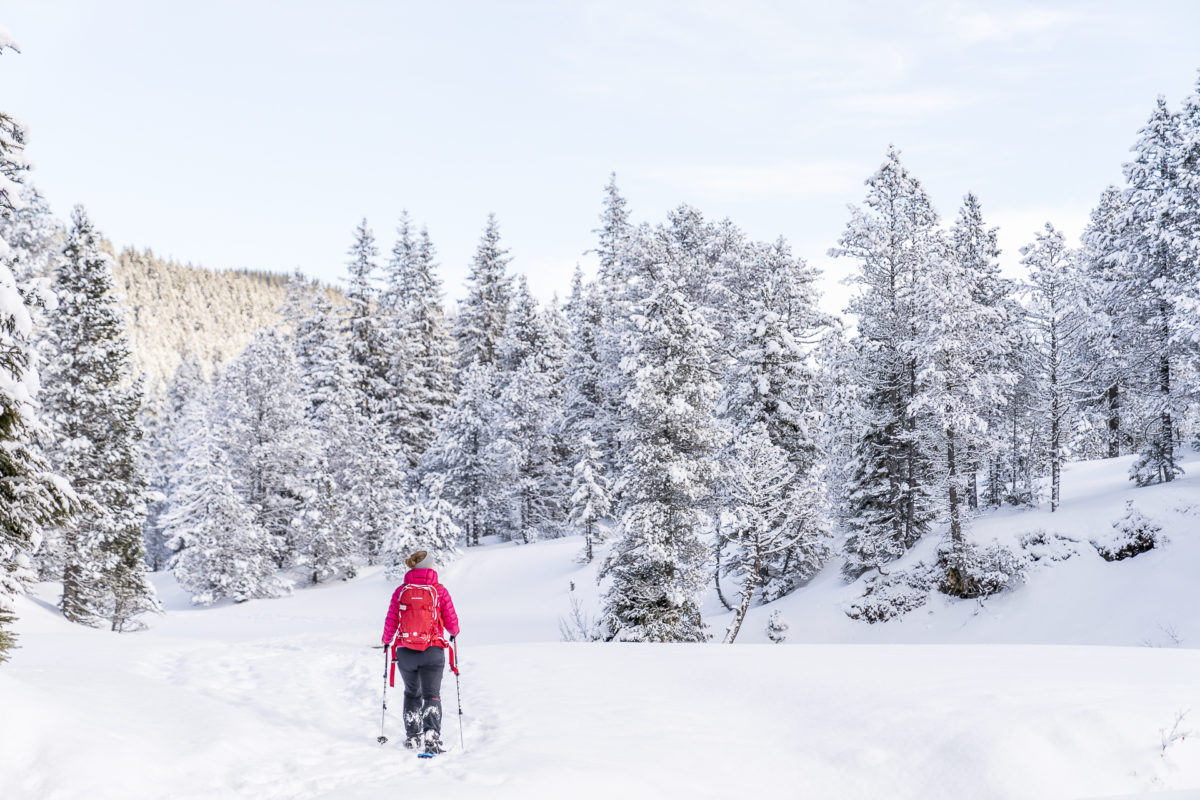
(1132, 534)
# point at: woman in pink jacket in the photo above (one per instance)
(420, 648)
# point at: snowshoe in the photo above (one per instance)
(433, 745)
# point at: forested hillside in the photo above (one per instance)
(176, 309)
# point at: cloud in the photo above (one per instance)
(981, 27)
(904, 103)
(732, 182)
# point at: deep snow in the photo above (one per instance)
(1009, 698)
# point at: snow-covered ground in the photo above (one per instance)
(1049, 691)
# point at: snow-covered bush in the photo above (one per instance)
(969, 571)
(894, 594)
(1132, 534)
(776, 627)
(1042, 546)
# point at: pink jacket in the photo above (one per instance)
(425, 577)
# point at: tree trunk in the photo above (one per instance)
(748, 589)
(717, 548)
(1166, 431)
(1114, 421)
(956, 526)
(1056, 414)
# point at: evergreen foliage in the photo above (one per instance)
(93, 407)
(897, 243)
(669, 443)
(31, 496)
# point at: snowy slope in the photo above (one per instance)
(281, 698)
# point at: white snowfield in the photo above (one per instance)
(1050, 691)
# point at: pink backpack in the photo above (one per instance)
(420, 618)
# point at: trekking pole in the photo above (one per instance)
(458, 691)
(383, 718)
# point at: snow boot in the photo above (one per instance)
(412, 743)
(433, 742)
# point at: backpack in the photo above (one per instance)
(420, 617)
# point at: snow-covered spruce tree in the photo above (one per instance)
(270, 447)
(529, 480)
(614, 295)
(34, 236)
(369, 483)
(164, 446)
(590, 501)
(427, 525)
(1013, 473)
(220, 548)
(422, 345)
(1159, 325)
(460, 460)
(1186, 220)
(896, 241)
(960, 384)
(1064, 335)
(1107, 287)
(328, 545)
(583, 399)
(974, 251)
(669, 443)
(92, 405)
(31, 496)
(483, 315)
(772, 383)
(1155, 326)
(838, 406)
(321, 353)
(760, 514)
(362, 331)
(529, 422)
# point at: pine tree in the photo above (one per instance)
(529, 421)
(321, 354)
(896, 242)
(369, 483)
(269, 445)
(483, 315)
(1064, 334)
(583, 398)
(590, 501)
(1107, 288)
(361, 328)
(614, 297)
(1158, 320)
(460, 462)
(31, 496)
(974, 251)
(670, 442)
(758, 519)
(93, 409)
(220, 548)
(165, 451)
(427, 525)
(960, 347)
(772, 383)
(423, 354)
(327, 545)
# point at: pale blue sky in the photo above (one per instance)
(257, 134)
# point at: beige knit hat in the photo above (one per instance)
(419, 560)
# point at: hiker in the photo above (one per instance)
(420, 609)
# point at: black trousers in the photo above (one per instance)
(422, 672)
